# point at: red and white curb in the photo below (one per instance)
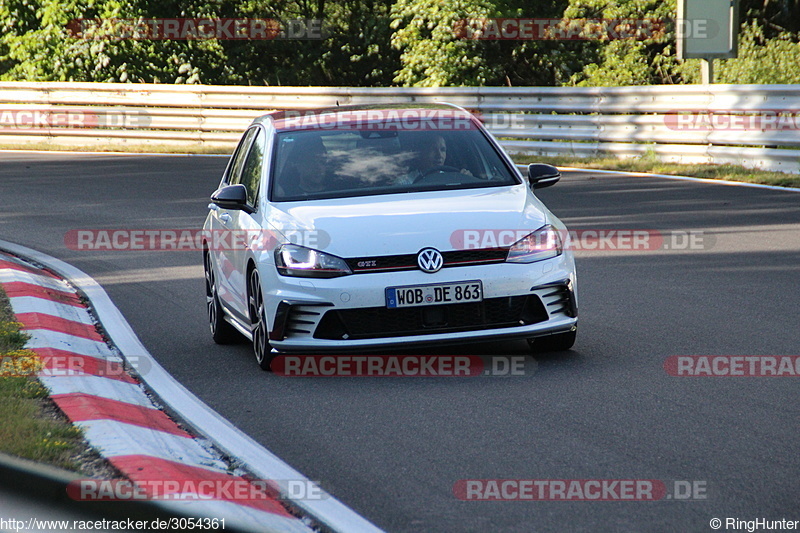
(111, 406)
(86, 379)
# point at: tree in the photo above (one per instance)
(630, 61)
(380, 43)
(768, 51)
(39, 44)
(433, 55)
(355, 52)
(431, 35)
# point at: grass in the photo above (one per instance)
(649, 164)
(27, 430)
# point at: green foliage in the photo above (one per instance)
(433, 55)
(380, 43)
(775, 16)
(768, 53)
(356, 52)
(37, 45)
(760, 60)
(25, 432)
(628, 61)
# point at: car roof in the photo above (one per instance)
(293, 119)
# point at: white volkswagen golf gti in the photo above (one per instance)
(365, 227)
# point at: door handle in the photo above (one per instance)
(225, 218)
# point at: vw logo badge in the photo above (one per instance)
(430, 260)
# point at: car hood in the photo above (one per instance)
(403, 224)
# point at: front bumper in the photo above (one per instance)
(349, 313)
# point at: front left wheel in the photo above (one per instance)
(221, 331)
(258, 321)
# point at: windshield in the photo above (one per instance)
(316, 164)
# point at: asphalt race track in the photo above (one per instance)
(393, 448)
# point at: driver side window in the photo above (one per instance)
(234, 175)
(252, 169)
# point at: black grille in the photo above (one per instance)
(295, 318)
(374, 322)
(397, 263)
(300, 321)
(385, 263)
(565, 302)
(488, 255)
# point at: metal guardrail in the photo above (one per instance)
(753, 125)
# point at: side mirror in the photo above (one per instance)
(541, 175)
(232, 197)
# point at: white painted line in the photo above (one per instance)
(112, 389)
(681, 178)
(32, 304)
(119, 439)
(205, 421)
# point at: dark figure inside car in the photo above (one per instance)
(430, 155)
(306, 173)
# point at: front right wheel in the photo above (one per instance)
(258, 321)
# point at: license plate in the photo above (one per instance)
(434, 294)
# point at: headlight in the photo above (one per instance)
(542, 244)
(293, 260)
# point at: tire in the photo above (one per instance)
(258, 321)
(221, 331)
(560, 342)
